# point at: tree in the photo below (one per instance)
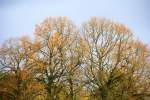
(15, 65)
(102, 61)
(59, 40)
(114, 67)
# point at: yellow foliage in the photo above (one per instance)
(121, 29)
(24, 75)
(41, 65)
(55, 40)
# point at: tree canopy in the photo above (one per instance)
(101, 60)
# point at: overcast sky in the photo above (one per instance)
(19, 17)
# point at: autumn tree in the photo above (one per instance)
(115, 63)
(99, 61)
(59, 57)
(15, 66)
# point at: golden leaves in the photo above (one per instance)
(62, 60)
(84, 46)
(47, 25)
(35, 85)
(44, 28)
(51, 24)
(24, 75)
(36, 46)
(38, 30)
(120, 29)
(141, 50)
(41, 65)
(55, 40)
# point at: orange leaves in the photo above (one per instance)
(55, 40)
(38, 30)
(35, 85)
(63, 61)
(51, 25)
(141, 50)
(41, 65)
(36, 46)
(47, 25)
(24, 75)
(84, 46)
(44, 28)
(83, 43)
(141, 46)
(120, 29)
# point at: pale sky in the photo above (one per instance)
(19, 17)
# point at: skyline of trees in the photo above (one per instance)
(101, 60)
